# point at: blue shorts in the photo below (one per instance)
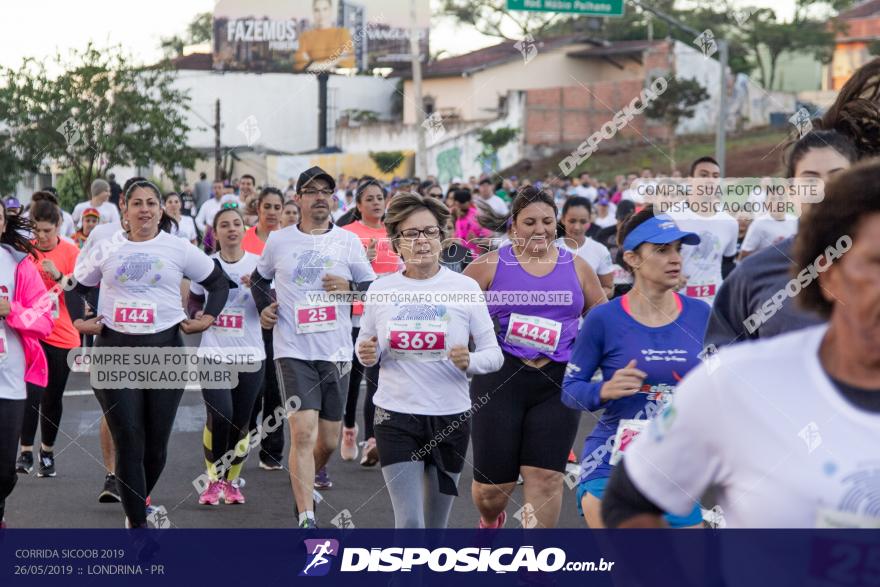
(596, 488)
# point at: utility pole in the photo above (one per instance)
(721, 124)
(218, 164)
(421, 149)
(323, 78)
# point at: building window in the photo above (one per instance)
(429, 104)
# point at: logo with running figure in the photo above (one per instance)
(309, 267)
(137, 266)
(319, 551)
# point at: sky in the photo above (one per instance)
(37, 28)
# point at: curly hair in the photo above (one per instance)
(849, 198)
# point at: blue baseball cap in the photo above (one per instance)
(658, 230)
(12, 202)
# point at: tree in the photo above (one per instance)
(387, 161)
(492, 141)
(492, 18)
(101, 111)
(675, 104)
(199, 30)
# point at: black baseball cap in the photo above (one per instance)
(314, 173)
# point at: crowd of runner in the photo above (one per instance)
(483, 314)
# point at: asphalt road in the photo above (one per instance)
(70, 499)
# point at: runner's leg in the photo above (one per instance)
(11, 417)
(406, 486)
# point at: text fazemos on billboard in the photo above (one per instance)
(315, 35)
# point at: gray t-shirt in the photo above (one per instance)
(746, 291)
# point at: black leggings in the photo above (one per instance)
(229, 414)
(519, 420)
(140, 422)
(269, 398)
(44, 405)
(359, 372)
(11, 414)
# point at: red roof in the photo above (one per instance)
(494, 55)
(862, 10)
(199, 61)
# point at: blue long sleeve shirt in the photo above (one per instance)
(608, 340)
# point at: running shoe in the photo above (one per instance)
(499, 523)
(110, 493)
(571, 457)
(25, 463)
(211, 495)
(371, 453)
(232, 494)
(322, 479)
(308, 524)
(275, 466)
(349, 448)
(47, 464)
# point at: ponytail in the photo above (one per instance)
(14, 230)
(167, 223)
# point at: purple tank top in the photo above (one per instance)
(539, 329)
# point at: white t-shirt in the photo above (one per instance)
(68, 226)
(702, 262)
(186, 228)
(768, 430)
(766, 231)
(209, 209)
(141, 277)
(588, 192)
(109, 212)
(223, 338)
(436, 387)
(498, 205)
(609, 220)
(101, 232)
(595, 254)
(297, 262)
(12, 364)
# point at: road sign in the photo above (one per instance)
(582, 7)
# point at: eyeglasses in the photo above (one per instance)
(438, 195)
(315, 193)
(229, 206)
(430, 232)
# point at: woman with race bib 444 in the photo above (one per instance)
(537, 293)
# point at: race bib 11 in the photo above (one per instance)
(230, 322)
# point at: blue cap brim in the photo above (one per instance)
(668, 236)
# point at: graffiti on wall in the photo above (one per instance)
(448, 165)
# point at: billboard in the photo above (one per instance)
(316, 35)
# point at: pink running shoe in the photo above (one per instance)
(349, 448)
(211, 495)
(232, 494)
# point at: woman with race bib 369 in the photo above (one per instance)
(537, 292)
(422, 403)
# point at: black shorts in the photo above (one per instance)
(441, 440)
(317, 385)
(519, 420)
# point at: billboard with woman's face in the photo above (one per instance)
(315, 35)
